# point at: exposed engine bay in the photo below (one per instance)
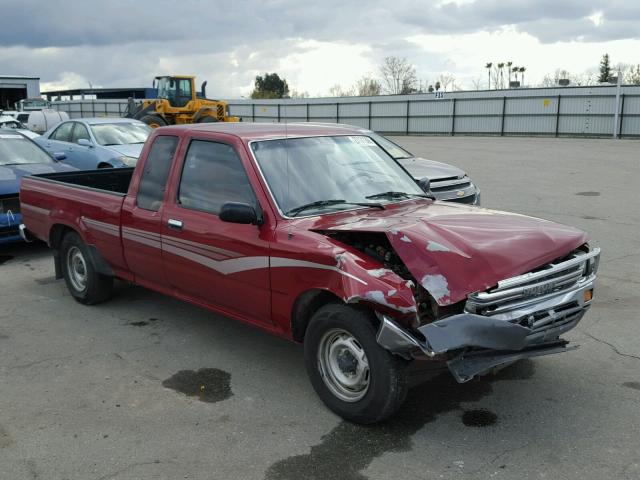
(377, 246)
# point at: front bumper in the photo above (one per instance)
(9, 228)
(474, 344)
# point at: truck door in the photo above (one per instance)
(142, 215)
(220, 264)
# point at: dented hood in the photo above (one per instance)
(453, 249)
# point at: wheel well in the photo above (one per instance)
(57, 233)
(304, 308)
(104, 165)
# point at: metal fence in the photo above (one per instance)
(91, 108)
(572, 111)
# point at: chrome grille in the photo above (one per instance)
(449, 183)
(548, 281)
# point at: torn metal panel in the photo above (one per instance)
(468, 330)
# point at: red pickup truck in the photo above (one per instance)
(316, 234)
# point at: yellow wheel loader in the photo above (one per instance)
(178, 103)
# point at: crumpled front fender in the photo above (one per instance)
(379, 287)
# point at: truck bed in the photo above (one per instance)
(89, 202)
(110, 180)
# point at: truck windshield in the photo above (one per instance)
(318, 170)
(120, 133)
(16, 149)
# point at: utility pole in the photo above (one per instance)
(617, 113)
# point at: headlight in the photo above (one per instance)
(128, 161)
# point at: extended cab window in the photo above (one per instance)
(212, 176)
(156, 171)
(63, 132)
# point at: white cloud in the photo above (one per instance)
(466, 54)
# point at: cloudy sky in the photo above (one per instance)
(314, 45)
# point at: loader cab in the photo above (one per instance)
(178, 91)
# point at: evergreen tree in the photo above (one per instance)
(605, 69)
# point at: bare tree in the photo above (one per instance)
(633, 75)
(368, 86)
(298, 94)
(338, 91)
(398, 75)
(477, 83)
(445, 80)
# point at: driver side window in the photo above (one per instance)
(63, 132)
(212, 175)
(80, 131)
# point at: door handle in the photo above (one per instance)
(175, 224)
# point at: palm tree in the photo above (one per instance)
(488, 67)
(515, 70)
(509, 63)
(500, 68)
(522, 70)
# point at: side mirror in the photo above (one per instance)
(234, 212)
(425, 185)
(85, 143)
(59, 156)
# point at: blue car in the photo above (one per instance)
(19, 156)
(91, 143)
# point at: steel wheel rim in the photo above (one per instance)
(77, 268)
(343, 365)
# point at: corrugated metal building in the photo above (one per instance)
(14, 88)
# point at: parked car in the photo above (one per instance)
(316, 234)
(91, 143)
(19, 156)
(446, 182)
(8, 122)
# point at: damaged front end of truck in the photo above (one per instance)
(468, 311)
(521, 317)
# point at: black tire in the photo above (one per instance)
(153, 120)
(387, 380)
(208, 119)
(74, 256)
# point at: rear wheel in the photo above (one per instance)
(353, 375)
(85, 284)
(153, 120)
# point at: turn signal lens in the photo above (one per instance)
(588, 295)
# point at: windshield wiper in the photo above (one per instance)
(392, 194)
(327, 203)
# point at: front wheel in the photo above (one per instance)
(85, 284)
(154, 120)
(352, 374)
